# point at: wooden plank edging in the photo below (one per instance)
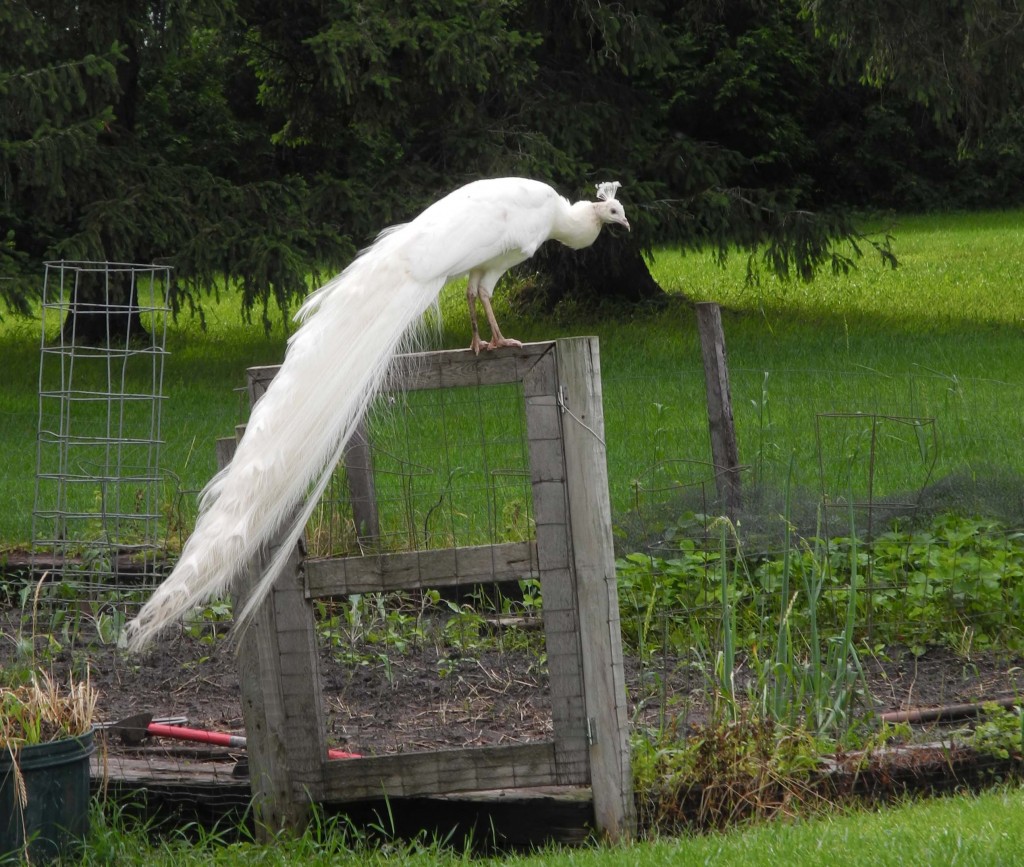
(410, 570)
(439, 771)
(453, 368)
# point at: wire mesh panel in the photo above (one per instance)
(97, 498)
(460, 666)
(448, 468)
(878, 544)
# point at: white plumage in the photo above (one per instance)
(336, 362)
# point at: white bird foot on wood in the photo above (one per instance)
(497, 339)
(494, 343)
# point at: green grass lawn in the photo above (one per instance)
(965, 830)
(939, 338)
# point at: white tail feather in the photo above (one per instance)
(335, 364)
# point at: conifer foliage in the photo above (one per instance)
(127, 134)
(257, 144)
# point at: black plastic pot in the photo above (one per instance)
(56, 817)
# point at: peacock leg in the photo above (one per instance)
(497, 340)
(476, 344)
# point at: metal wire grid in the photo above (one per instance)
(450, 469)
(475, 490)
(97, 501)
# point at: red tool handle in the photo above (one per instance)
(221, 738)
(341, 754)
(186, 734)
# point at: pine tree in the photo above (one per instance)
(131, 132)
(56, 103)
(961, 59)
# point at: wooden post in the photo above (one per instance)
(593, 556)
(280, 684)
(362, 488)
(557, 579)
(724, 451)
(225, 451)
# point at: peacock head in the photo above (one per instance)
(608, 208)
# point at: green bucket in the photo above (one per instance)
(56, 816)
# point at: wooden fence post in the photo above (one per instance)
(280, 685)
(724, 451)
(362, 487)
(593, 554)
(554, 565)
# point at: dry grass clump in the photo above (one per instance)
(44, 710)
(40, 711)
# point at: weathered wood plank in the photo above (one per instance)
(340, 576)
(462, 367)
(542, 378)
(560, 620)
(542, 417)
(604, 688)
(280, 686)
(552, 548)
(279, 680)
(428, 773)
(165, 771)
(551, 521)
(362, 485)
(546, 465)
(259, 379)
(224, 450)
(449, 369)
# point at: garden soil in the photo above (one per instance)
(378, 700)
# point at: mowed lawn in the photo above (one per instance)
(966, 830)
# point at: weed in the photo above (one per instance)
(999, 732)
(730, 770)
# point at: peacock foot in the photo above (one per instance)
(499, 342)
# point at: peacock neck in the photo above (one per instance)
(577, 225)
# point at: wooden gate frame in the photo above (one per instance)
(573, 553)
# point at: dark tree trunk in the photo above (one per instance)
(103, 310)
(612, 270)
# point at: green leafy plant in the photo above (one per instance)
(1000, 732)
(723, 772)
(958, 579)
(209, 622)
